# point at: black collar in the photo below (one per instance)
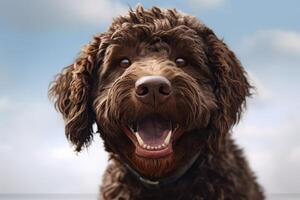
(154, 184)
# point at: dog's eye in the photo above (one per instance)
(180, 62)
(125, 62)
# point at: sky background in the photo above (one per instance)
(40, 37)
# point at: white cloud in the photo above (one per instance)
(295, 155)
(270, 127)
(40, 15)
(62, 153)
(272, 45)
(273, 150)
(3, 103)
(35, 156)
(4, 148)
(281, 41)
(273, 57)
(205, 4)
(259, 90)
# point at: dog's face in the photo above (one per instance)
(160, 87)
(152, 93)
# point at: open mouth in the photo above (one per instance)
(153, 136)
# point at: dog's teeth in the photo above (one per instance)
(176, 127)
(139, 139)
(149, 147)
(168, 138)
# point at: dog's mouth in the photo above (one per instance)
(153, 136)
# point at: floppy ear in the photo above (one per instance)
(71, 91)
(231, 84)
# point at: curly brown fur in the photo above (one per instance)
(208, 96)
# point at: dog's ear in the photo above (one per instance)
(231, 84)
(71, 91)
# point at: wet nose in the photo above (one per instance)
(152, 89)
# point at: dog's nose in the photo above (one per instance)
(153, 89)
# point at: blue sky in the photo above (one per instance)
(40, 37)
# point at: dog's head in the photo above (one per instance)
(159, 85)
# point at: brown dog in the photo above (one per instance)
(164, 92)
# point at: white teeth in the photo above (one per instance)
(176, 127)
(149, 147)
(139, 139)
(168, 138)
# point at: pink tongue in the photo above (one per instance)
(153, 129)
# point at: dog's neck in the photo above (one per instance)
(155, 184)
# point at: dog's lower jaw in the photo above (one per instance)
(165, 180)
(153, 168)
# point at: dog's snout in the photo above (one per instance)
(153, 89)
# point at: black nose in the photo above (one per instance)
(152, 89)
